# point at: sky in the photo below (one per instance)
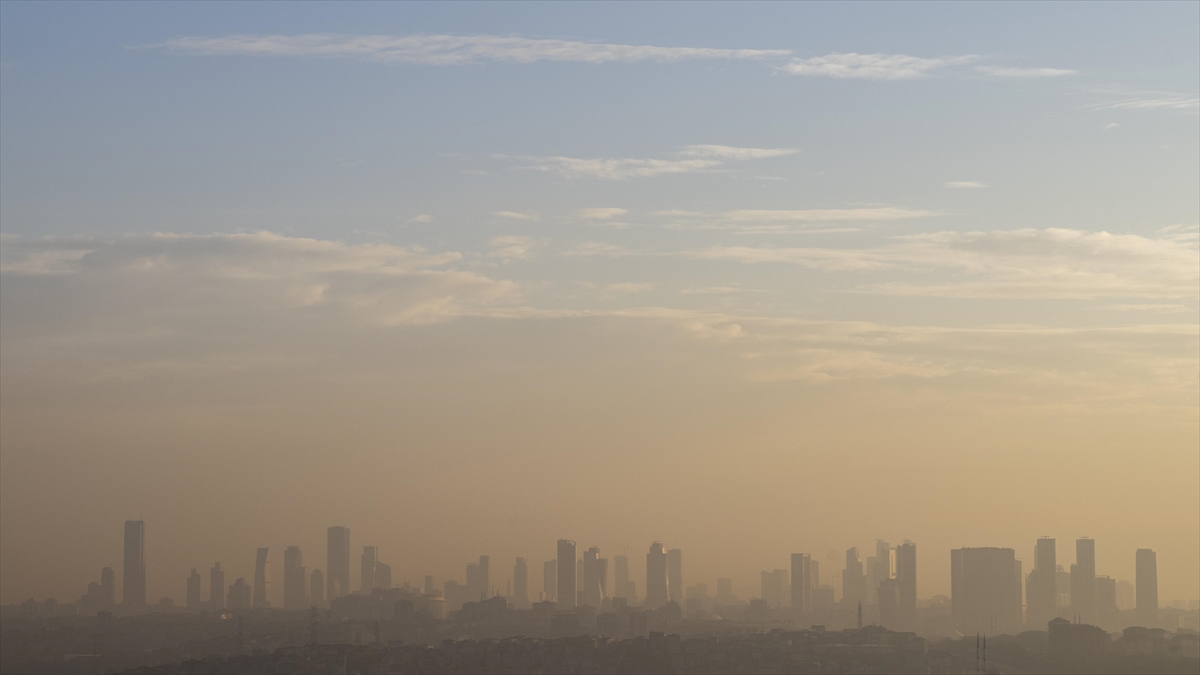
(747, 279)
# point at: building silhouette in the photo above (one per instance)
(294, 593)
(316, 589)
(1146, 588)
(337, 563)
(566, 575)
(657, 593)
(550, 581)
(108, 587)
(366, 579)
(802, 584)
(239, 595)
(595, 579)
(1042, 589)
(133, 592)
(216, 587)
(1083, 581)
(675, 576)
(622, 586)
(985, 590)
(262, 577)
(773, 589)
(906, 584)
(521, 584)
(478, 580)
(193, 591)
(879, 568)
(852, 578)
(383, 575)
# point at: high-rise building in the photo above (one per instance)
(216, 587)
(1083, 581)
(478, 580)
(852, 578)
(621, 581)
(595, 579)
(774, 587)
(1042, 593)
(1147, 588)
(366, 579)
(657, 593)
(550, 581)
(906, 578)
(429, 586)
(316, 589)
(521, 584)
(294, 596)
(239, 594)
(193, 591)
(383, 575)
(566, 575)
(133, 593)
(337, 563)
(985, 590)
(1107, 613)
(262, 578)
(675, 576)
(879, 569)
(888, 601)
(802, 584)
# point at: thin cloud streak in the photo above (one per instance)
(694, 158)
(873, 66)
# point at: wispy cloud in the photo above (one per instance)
(1002, 71)
(787, 221)
(965, 184)
(421, 218)
(601, 213)
(690, 159)
(512, 247)
(873, 66)
(596, 248)
(443, 50)
(1119, 98)
(515, 215)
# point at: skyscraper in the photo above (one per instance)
(906, 578)
(294, 595)
(595, 578)
(316, 589)
(108, 588)
(478, 580)
(366, 579)
(852, 578)
(193, 591)
(1083, 581)
(621, 581)
(262, 577)
(1147, 588)
(801, 584)
(521, 584)
(675, 576)
(657, 593)
(1043, 584)
(879, 569)
(383, 575)
(550, 581)
(133, 593)
(216, 587)
(337, 562)
(566, 574)
(985, 590)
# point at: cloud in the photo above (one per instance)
(445, 50)
(514, 215)
(692, 158)
(512, 247)
(601, 213)
(1001, 71)
(596, 248)
(1151, 102)
(872, 66)
(1111, 125)
(827, 215)
(965, 184)
(422, 218)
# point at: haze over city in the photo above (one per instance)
(468, 279)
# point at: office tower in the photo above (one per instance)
(985, 590)
(485, 576)
(906, 578)
(675, 575)
(566, 575)
(216, 587)
(316, 589)
(578, 578)
(815, 576)
(1106, 602)
(801, 584)
(773, 587)
(337, 563)
(478, 585)
(239, 594)
(108, 587)
(621, 583)
(366, 579)
(1042, 596)
(879, 568)
(595, 575)
(888, 601)
(429, 584)
(852, 578)
(293, 579)
(521, 584)
(657, 593)
(550, 580)
(262, 577)
(133, 593)
(1083, 581)
(724, 591)
(1147, 588)
(193, 591)
(383, 575)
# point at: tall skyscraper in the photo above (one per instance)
(595, 578)
(675, 576)
(621, 581)
(133, 593)
(879, 569)
(1083, 581)
(108, 588)
(366, 579)
(337, 563)
(521, 584)
(294, 593)
(852, 578)
(550, 581)
(724, 591)
(566, 574)
(906, 578)
(802, 584)
(1107, 613)
(985, 590)
(773, 587)
(657, 593)
(216, 587)
(262, 577)
(193, 591)
(316, 589)
(1043, 585)
(1147, 588)
(383, 575)
(479, 580)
